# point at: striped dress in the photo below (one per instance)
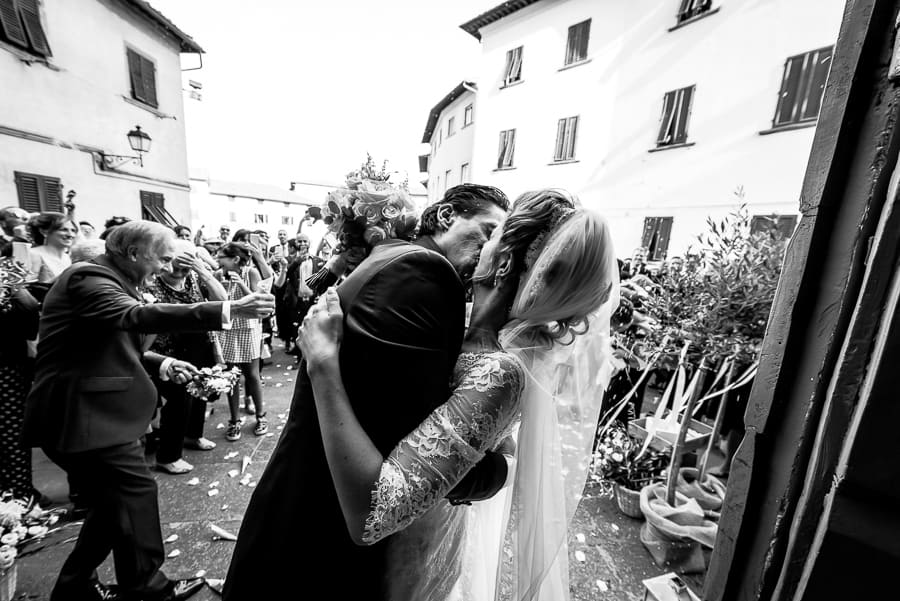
(242, 343)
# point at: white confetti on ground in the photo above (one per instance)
(579, 537)
(200, 574)
(193, 482)
(270, 434)
(224, 507)
(213, 492)
(282, 415)
(220, 426)
(615, 527)
(216, 485)
(278, 384)
(231, 455)
(172, 539)
(233, 473)
(602, 586)
(579, 555)
(174, 554)
(279, 428)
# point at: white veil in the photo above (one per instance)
(560, 407)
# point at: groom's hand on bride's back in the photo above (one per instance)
(484, 480)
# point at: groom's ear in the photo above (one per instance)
(445, 217)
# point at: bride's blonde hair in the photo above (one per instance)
(567, 267)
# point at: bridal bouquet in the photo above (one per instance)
(12, 277)
(213, 381)
(20, 524)
(367, 210)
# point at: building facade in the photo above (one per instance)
(449, 133)
(77, 78)
(655, 112)
(239, 205)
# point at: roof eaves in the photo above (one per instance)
(473, 26)
(185, 41)
(435, 113)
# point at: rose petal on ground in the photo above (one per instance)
(216, 485)
(193, 482)
(580, 556)
(174, 554)
(171, 539)
(213, 492)
(579, 537)
(231, 455)
(615, 527)
(602, 586)
(244, 463)
(220, 426)
(278, 384)
(233, 473)
(221, 533)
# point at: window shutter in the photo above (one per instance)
(134, 71)
(571, 132)
(650, 224)
(502, 151)
(148, 73)
(510, 147)
(52, 194)
(790, 84)
(583, 38)
(560, 140)
(686, 95)
(821, 64)
(10, 23)
(29, 192)
(666, 119)
(662, 240)
(31, 18)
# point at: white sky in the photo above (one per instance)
(301, 90)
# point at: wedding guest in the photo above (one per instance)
(13, 222)
(182, 232)
(92, 399)
(224, 233)
(87, 249)
(182, 416)
(207, 250)
(87, 229)
(53, 235)
(242, 344)
(296, 296)
(112, 223)
(259, 260)
(19, 324)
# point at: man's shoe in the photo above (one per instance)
(183, 589)
(176, 467)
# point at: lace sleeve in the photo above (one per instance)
(431, 460)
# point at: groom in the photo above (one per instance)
(404, 324)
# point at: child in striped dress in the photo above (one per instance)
(242, 343)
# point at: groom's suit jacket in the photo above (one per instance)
(404, 310)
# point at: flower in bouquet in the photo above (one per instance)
(20, 522)
(13, 275)
(213, 381)
(618, 460)
(369, 209)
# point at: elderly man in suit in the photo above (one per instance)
(93, 398)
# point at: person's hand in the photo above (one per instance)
(319, 337)
(234, 276)
(181, 372)
(254, 306)
(188, 261)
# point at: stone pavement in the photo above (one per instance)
(607, 558)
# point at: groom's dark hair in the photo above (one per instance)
(467, 199)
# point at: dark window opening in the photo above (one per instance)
(693, 8)
(802, 87)
(142, 73)
(675, 115)
(20, 25)
(153, 208)
(655, 237)
(577, 42)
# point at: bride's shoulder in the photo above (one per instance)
(498, 367)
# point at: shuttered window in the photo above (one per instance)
(142, 72)
(468, 115)
(656, 237)
(566, 130)
(507, 148)
(464, 173)
(513, 66)
(577, 43)
(39, 193)
(779, 226)
(153, 208)
(675, 115)
(692, 8)
(20, 25)
(802, 87)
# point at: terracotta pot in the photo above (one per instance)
(629, 502)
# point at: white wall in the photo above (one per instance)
(452, 151)
(78, 100)
(734, 57)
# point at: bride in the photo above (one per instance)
(534, 363)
